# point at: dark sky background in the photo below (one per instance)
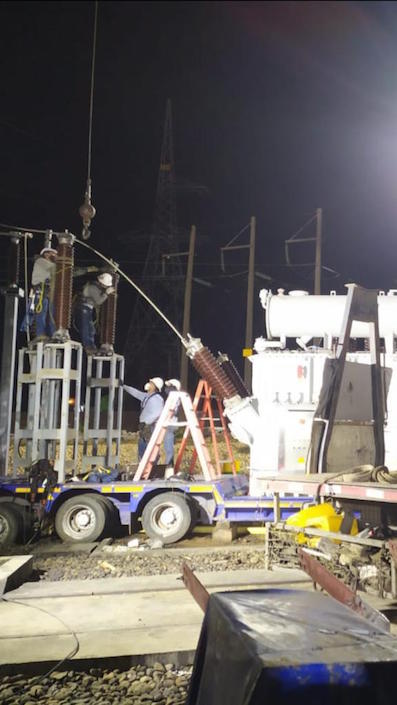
(279, 108)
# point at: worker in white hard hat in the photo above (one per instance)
(40, 308)
(93, 295)
(171, 385)
(152, 404)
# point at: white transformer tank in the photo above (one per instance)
(300, 315)
(286, 384)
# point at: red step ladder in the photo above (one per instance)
(192, 425)
(205, 414)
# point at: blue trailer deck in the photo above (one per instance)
(225, 498)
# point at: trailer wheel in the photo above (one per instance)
(113, 522)
(167, 517)
(10, 524)
(81, 518)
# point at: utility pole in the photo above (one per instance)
(250, 302)
(187, 306)
(317, 270)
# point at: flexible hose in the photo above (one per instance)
(116, 268)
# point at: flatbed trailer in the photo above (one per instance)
(168, 509)
(374, 502)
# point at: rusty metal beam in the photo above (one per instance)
(341, 592)
(392, 546)
(196, 589)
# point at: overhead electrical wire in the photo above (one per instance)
(116, 268)
(25, 230)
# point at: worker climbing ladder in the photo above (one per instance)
(176, 400)
(203, 408)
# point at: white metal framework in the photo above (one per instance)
(47, 406)
(103, 411)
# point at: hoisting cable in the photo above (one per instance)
(116, 268)
(87, 210)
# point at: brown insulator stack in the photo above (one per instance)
(208, 369)
(108, 317)
(13, 262)
(63, 284)
(232, 374)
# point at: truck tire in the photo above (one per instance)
(10, 524)
(81, 518)
(167, 517)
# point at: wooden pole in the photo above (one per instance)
(250, 303)
(317, 270)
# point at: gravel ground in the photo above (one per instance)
(120, 561)
(141, 685)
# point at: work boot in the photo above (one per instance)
(91, 351)
(38, 339)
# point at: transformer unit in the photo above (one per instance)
(286, 383)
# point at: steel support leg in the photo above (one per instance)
(7, 376)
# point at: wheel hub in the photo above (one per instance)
(82, 519)
(168, 517)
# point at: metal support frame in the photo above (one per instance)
(7, 373)
(153, 447)
(392, 546)
(103, 380)
(361, 305)
(47, 372)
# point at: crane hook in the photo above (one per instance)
(87, 212)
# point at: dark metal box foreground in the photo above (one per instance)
(290, 646)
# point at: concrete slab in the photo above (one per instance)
(248, 579)
(14, 570)
(115, 617)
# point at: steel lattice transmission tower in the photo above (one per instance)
(151, 347)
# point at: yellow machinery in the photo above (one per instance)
(321, 516)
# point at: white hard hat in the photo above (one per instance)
(50, 250)
(158, 382)
(105, 279)
(173, 383)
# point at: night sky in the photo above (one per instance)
(279, 108)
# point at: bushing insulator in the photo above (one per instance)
(208, 368)
(233, 374)
(108, 316)
(63, 283)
